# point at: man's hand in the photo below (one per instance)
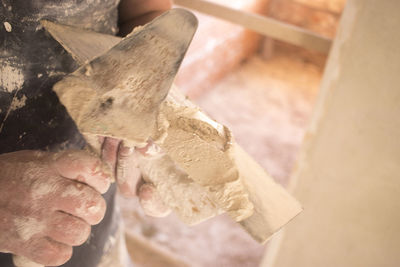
(121, 160)
(48, 202)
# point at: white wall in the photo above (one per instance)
(348, 176)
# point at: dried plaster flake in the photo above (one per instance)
(7, 26)
(11, 77)
(18, 103)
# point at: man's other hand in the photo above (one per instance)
(48, 201)
(121, 161)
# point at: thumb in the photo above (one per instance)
(127, 171)
(151, 201)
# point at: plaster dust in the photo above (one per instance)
(197, 205)
(28, 227)
(7, 26)
(11, 77)
(72, 191)
(203, 151)
(18, 103)
(40, 190)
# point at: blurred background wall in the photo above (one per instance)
(348, 175)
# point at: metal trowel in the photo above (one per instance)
(117, 92)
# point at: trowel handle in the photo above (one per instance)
(21, 261)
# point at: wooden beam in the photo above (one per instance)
(263, 25)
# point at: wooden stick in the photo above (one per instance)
(263, 25)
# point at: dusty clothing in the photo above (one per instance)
(31, 62)
(31, 116)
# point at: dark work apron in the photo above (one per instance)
(31, 117)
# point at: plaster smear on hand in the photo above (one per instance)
(72, 191)
(21, 261)
(38, 188)
(174, 185)
(43, 189)
(28, 227)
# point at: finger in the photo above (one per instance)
(81, 201)
(127, 172)
(83, 167)
(151, 201)
(109, 152)
(67, 229)
(47, 252)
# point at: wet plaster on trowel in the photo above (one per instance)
(201, 148)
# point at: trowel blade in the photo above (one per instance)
(124, 85)
(84, 45)
(81, 44)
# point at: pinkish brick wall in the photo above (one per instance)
(319, 16)
(217, 48)
(334, 6)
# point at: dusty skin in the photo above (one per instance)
(59, 198)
